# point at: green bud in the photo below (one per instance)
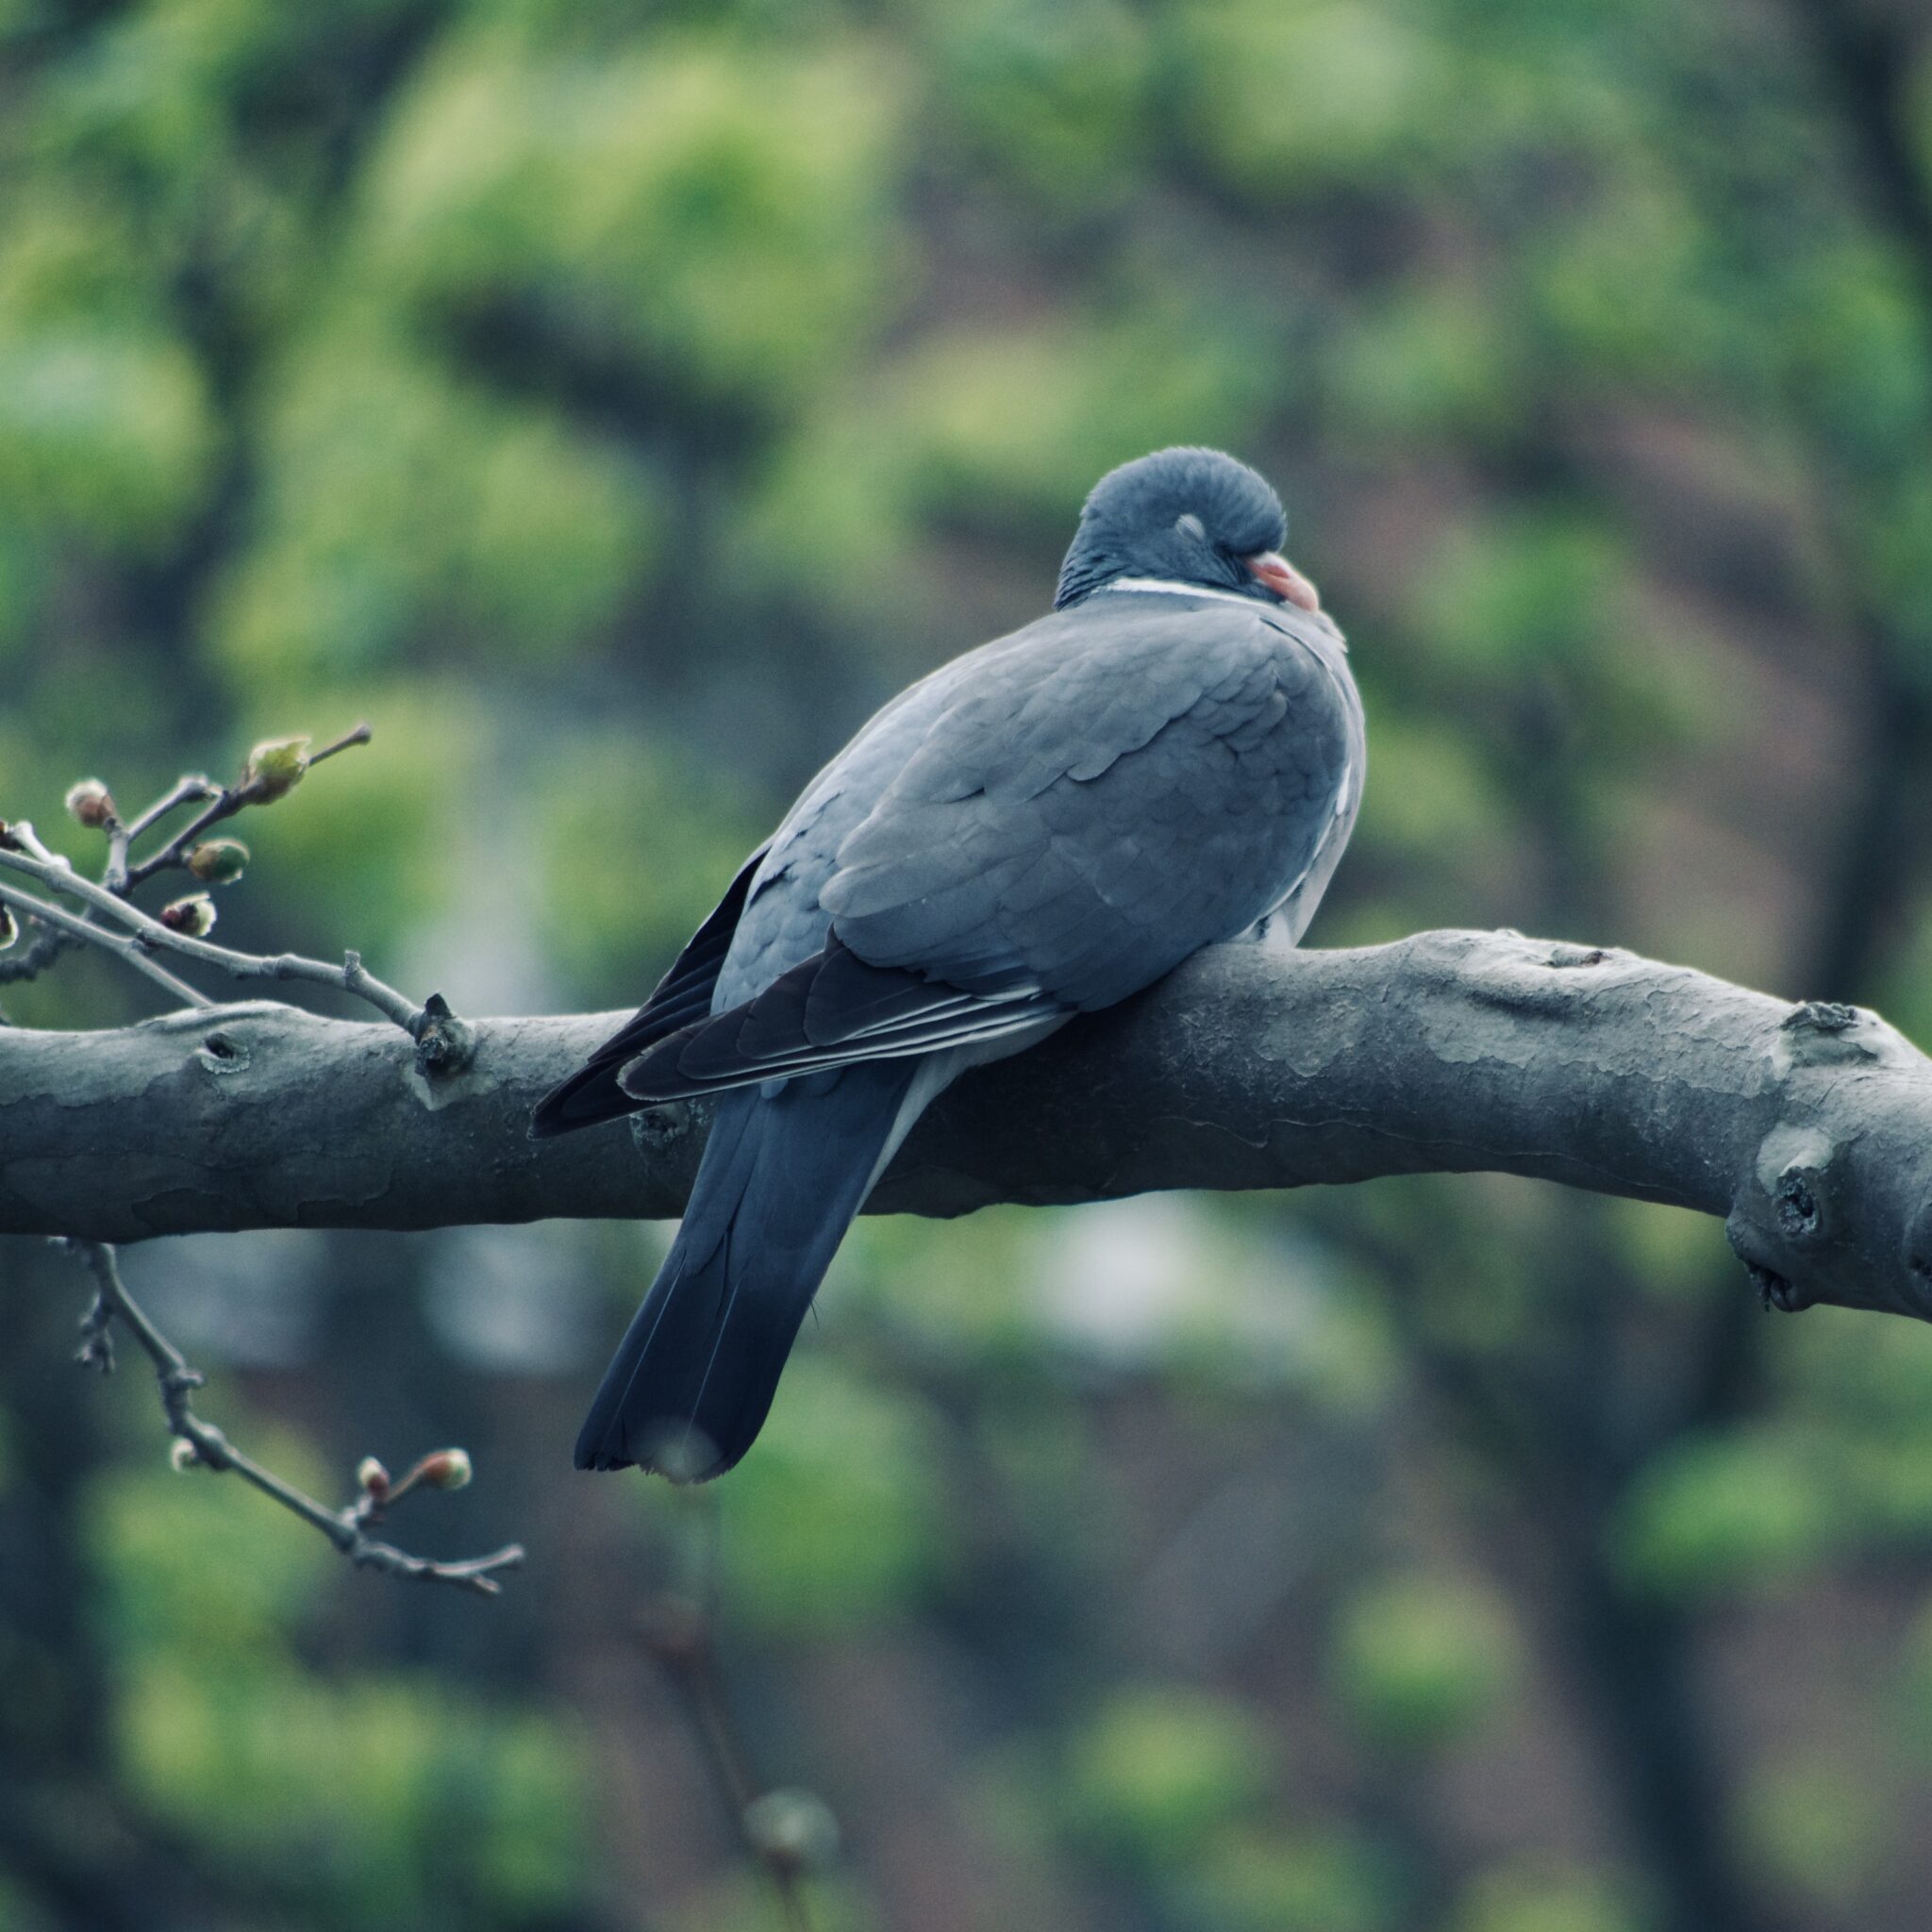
(274, 768)
(92, 804)
(194, 915)
(217, 861)
(447, 1469)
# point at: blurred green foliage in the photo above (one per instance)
(1717, 1515)
(1818, 1822)
(611, 405)
(408, 508)
(843, 1523)
(1159, 1771)
(1307, 1880)
(1547, 1898)
(1419, 1659)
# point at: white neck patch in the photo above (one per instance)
(1170, 587)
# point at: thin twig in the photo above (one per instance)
(33, 959)
(22, 837)
(357, 734)
(212, 1448)
(196, 785)
(227, 801)
(78, 930)
(150, 935)
(114, 873)
(444, 1042)
(678, 1632)
(25, 852)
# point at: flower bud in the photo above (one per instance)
(194, 915)
(8, 930)
(372, 1478)
(92, 804)
(446, 1469)
(274, 768)
(791, 1829)
(217, 861)
(182, 1453)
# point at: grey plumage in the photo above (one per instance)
(785, 1173)
(1040, 829)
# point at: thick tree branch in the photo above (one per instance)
(1809, 1128)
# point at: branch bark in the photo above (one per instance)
(1808, 1128)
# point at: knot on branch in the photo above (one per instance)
(1916, 1254)
(221, 1054)
(1539, 977)
(1784, 1223)
(1563, 955)
(655, 1128)
(1823, 1033)
(1798, 1203)
(444, 1044)
(1836, 1207)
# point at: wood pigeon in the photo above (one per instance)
(1174, 757)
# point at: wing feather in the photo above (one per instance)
(828, 1011)
(683, 996)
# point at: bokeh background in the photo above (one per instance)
(613, 402)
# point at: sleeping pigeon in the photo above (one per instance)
(1173, 758)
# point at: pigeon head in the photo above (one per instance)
(1184, 516)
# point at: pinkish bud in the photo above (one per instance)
(194, 915)
(372, 1478)
(92, 804)
(217, 861)
(274, 768)
(446, 1469)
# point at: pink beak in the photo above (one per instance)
(1271, 568)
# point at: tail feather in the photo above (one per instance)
(781, 1179)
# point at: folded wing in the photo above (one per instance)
(682, 996)
(1073, 826)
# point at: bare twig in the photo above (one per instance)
(358, 734)
(676, 1631)
(109, 920)
(207, 1445)
(77, 930)
(226, 801)
(149, 935)
(194, 785)
(33, 959)
(784, 1832)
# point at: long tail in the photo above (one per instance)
(690, 1384)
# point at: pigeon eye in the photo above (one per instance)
(1191, 525)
